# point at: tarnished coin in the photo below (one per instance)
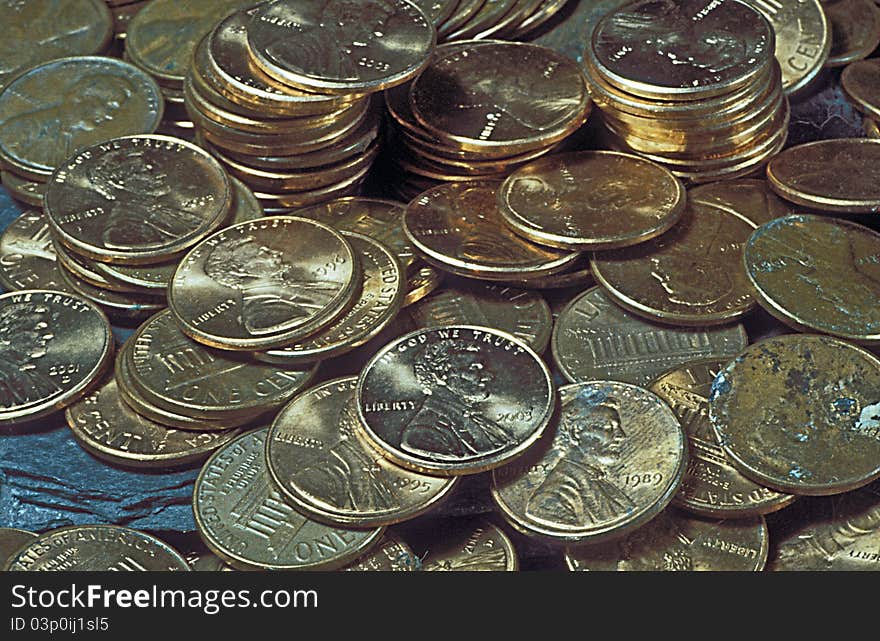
(591, 200)
(53, 346)
(111, 430)
(861, 83)
(691, 275)
(37, 31)
(855, 30)
(175, 372)
(245, 520)
(511, 97)
(614, 459)
(27, 255)
(520, 312)
(91, 548)
(677, 542)
(473, 545)
(747, 198)
(263, 284)
(871, 127)
(437, 11)
(667, 50)
(27, 191)
(711, 487)
(594, 339)
(817, 273)
(11, 540)
(319, 461)
(799, 413)
(424, 280)
(137, 199)
(377, 304)
(841, 175)
(340, 46)
(390, 555)
(458, 228)
(51, 111)
(839, 533)
(454, 400)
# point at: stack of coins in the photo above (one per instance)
(480, 110)
(504, 19)
(677, 84)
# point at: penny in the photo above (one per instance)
(676, 542)
(340, 46)
(488, 20)
(245, 520)
(137, 199)
(841, 175)
(665, 49)
(817, 273)
(464, 11)
(52, 111)
(748, 198)
(109, 428)
(510, 97)
(121, 306)
(11, 540)
(377, 304)
(198, 557)
(174, 372)
(317, 459)
(52, 348)
(855, 30)
(27, 255)
(457, 228)
(437, 11)
(89, 548)
(872, 129)
(421, 283)
(264, 283)
(799, 414)
(454, 400)
(594, 339)
(390, 555)
(611, 462)
(839, 533)
(82, 269)
(476, 545)
(691, 275)
(861, 84)
(23, 189)
(711, 487)
(591, 200)
(41, 30)
(520, 312)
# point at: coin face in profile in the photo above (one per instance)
(677, 542)
(469, 545)
(341, 46)
(246, 521)
(52, 111)
(799, 413)
(263, 283)
(52, 347)
(90, 548)
(27, 255)
(591, 200)
(817, 273)
(454, 400)
(613, 461)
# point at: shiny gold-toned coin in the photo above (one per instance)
(457, 227)
(11, 540)
(393, 41)
(692, 275)
(264, 283)
(837, 533)
(27, 191)
(841, 175)
(861, 83)
(111, 430)
(489, 19)
(424, 280)
(49, 112)
(511, 97)
(319, 461)
(454, 400)
(464, 11)
(747, 198)
(391, 554)
(855, 30)
(613, 460)
(27, 255)
(817, 273)
(594, 339)
(798, 413)
(245, 520)
(473, 545)
(871, 127)
(53, 347)
(137, 199)
(120, 306)
(84, 269)
(591, 200)
(677, 542)
(711, 487)
(85, 548)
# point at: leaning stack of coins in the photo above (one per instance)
(504, 19)
(675, 84)
(482, 109)
(54, 109)
(293, 148)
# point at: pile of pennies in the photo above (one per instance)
(540, 353)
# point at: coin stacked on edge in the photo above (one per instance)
(476, 19)
(675, 83)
